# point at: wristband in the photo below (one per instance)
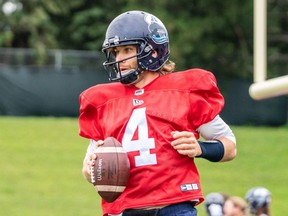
(212, 150)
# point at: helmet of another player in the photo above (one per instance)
(258, 197)
(143, 30)
(214, 203)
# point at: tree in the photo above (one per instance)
(216, 35)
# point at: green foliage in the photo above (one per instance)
(41, 162)
(215, 35)
(277, 28)
(210, 35)
(93, 36)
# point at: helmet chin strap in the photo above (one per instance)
(130, 77)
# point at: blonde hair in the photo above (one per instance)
(240, 203)
(168, 67)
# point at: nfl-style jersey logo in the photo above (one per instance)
(189, 187)
(137, 102)
(139, 92)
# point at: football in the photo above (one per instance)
(111, 171)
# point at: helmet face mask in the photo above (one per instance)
(112, 65)
(146, 32)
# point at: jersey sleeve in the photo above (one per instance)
(88, 126)
(206, 99)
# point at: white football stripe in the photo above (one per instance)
(109, 188)
(110, 150)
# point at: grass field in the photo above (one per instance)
(41, 161)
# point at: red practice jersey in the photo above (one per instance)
(142, 120)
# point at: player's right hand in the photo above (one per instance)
(185, 143)
(90, 161)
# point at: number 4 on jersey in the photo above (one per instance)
(138, 121)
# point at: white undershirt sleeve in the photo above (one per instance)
(215, 129)
(90, 149)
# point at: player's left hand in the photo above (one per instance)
(186, 143)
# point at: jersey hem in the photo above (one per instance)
(170, 202)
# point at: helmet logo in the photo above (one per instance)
(157, 29)
(147, 48)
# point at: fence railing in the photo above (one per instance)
(55, 58)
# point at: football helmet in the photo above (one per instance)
(258, 197)
(145, 31)
(214, 203)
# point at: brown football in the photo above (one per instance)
(111, 171)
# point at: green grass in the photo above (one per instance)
(41, 161)
(261, 161)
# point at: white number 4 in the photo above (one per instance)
(144, 143)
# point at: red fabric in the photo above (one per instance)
(142, 120)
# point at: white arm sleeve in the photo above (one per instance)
(215, 129)
(90, 149)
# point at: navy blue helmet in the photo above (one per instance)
(258, 197)
(145, 31)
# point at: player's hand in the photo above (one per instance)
(93, 156)
(186, 143)
(90, 161)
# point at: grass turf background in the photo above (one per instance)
(41, 161)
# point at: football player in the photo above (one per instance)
(259, 199)
(158, 115)
(235, 206)
(214, 203)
